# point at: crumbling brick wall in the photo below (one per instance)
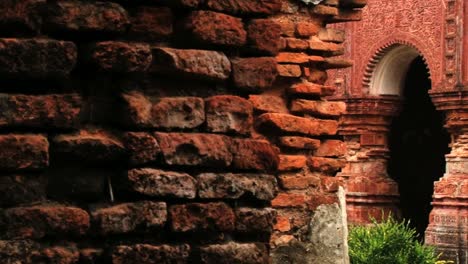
(160, 131)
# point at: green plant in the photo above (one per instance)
(388, 242)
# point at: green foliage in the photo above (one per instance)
(388, 242)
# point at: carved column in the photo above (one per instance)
(370, 190)
(448, 227)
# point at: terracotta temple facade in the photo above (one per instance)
(406, 124)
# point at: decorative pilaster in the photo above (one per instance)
(448, 223)
(370, 190)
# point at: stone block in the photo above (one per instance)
(206, 150)
(229, 114)
(37, 58)
(237, 186)
(141, 111)
(39, 221)
(200, 64)
(264, 36)
(254, 74)
(159, 183)
(214, 28)
(142, 216)
(24, 152)
(202, 217)
(40, 111)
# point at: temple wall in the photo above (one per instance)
(178, 131)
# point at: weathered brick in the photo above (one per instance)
(154, 182)
(119, 57)
(283, 224)
(315, 44)
(20, 17)
(299, 142)
(151, 254)
(61, 254)
(235, 186)
(297, 58)
(317, 200)
(331, 184)
(24, 152)
(325, 165)
(43, 220)
(200, 217)
(201, 64)
(337, 63)
(305, 89)
(254, 74)
(291, 162)
(38, 58)
(289, 70)
(325, 10)
(331, 148)
(268, 103)
(91, 255)
(40, 111)
(215, 28)
(151, 23)
(229, 114)
(307, 29)
(290, 200)
(264, 36)
(142, 216)
(245, 7)
(318, 108)
(249, 154)
(141, 111)
(285, 123)
(89, 145)
(86, 17)
(299, 181)
(141, 147)
(195, 149)
(255, 220)
(17, 251)
(331, 35)
(296, 44)
(17, 189)
(234, 253)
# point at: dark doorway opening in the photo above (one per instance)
(418, 144)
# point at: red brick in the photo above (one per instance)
(321, 199)
(20, 17)
(229, 114)
(235, 186)
(91, 255)
(320, 77)
(299, 181)
(143, 216)
(44, 220)
(331, 184)
(245, 7)
(23, 152)
(141, 147)
(282, 223)
(286, 24)
(205, 150)
(18, 189)
(291, 162)
(290, 200)
(300, 142)
(234, 253)
(257, 155)
(331, 148)
(141, 111)
(63, 254)
(17, 251)
(38, 58)
(297, 58)
(121, 57)
(326, 165)
(289, 70)
(305, 89)
(254, 74)
(264, 36)
(296, 44)
(331, 35)
(200, 217)
(318, 108)
(150, 254)
(215, 28)
(159, 183)
(86, 17)
(255, 220)
(284, 123)
(200, 64)
(307, 29)
(151, 23)
(315, 44)
(268, 103)
(40, 111)
(89, 145)
(325, 10)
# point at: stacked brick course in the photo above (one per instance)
(165, 131)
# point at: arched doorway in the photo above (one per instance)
(418, 144)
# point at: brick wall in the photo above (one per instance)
(160, 131)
